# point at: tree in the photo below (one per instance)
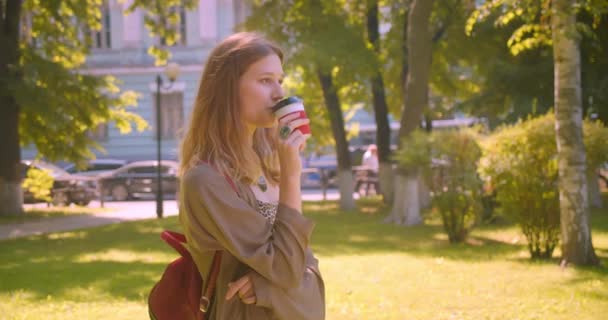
(160, 19)
(11, 196)
(563, 33)
(406, 207)
(45, 100)
(383, 131)
(499, 75)
(577, 247)
(332, 102)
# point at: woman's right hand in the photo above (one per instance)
(290, 147)
(245, 289)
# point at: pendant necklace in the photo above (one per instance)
(262, 184)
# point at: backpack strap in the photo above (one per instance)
(211, 280)
(205, 301)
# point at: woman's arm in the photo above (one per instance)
(305, 302)
(290, 192)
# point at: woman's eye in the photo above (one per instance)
(266, 81)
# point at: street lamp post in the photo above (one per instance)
(171, 71)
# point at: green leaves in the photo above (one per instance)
(595, 137)
(529, 36)
(162, 19)
(56, 29)
(415, 151)
(519, 163)
(39, 182)
(59, 106)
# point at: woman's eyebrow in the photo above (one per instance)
(281, 75)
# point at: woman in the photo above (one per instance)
(267, 269)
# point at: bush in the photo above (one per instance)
(595, 136)
(448, 160)
(520, 162)
(39, 182)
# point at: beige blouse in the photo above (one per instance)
(286, 277)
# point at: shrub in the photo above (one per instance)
(520, 162)
(448, 160)
(595, 136)
(39, 182)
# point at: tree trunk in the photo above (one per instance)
(11, 197)
(383, 131)
(398, 213)
(577, 247)
(346, 185)
(332, 102)
(386, 178)
(406, 205)
(424, 193)
(406, 209)
(593, 186)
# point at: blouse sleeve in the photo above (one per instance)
(304, 302)
(213, 209)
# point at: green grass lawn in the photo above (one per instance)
(35, 214)
(371, 271)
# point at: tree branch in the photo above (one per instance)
(444, 26)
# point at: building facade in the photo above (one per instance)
(120, 49)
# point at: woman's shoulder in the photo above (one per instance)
(207, 179)
(201, 173)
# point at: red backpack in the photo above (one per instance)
(178, 295)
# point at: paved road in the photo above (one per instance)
(121, 211)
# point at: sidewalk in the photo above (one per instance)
(122, 211)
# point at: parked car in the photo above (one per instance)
(139, 179)
(96, 167)
(67, 188)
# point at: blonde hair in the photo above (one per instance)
(216, 133)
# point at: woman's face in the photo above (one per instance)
(259, 89)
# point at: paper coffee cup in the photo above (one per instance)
(289, 106)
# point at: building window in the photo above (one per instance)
(241, 12)
(180, 27)
(172, 114)
(102, 39)
(99, 133)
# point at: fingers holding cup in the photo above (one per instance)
(285, 129)
(296, 140)
(284, 132)
(291, 111)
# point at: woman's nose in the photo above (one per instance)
(278, 93)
